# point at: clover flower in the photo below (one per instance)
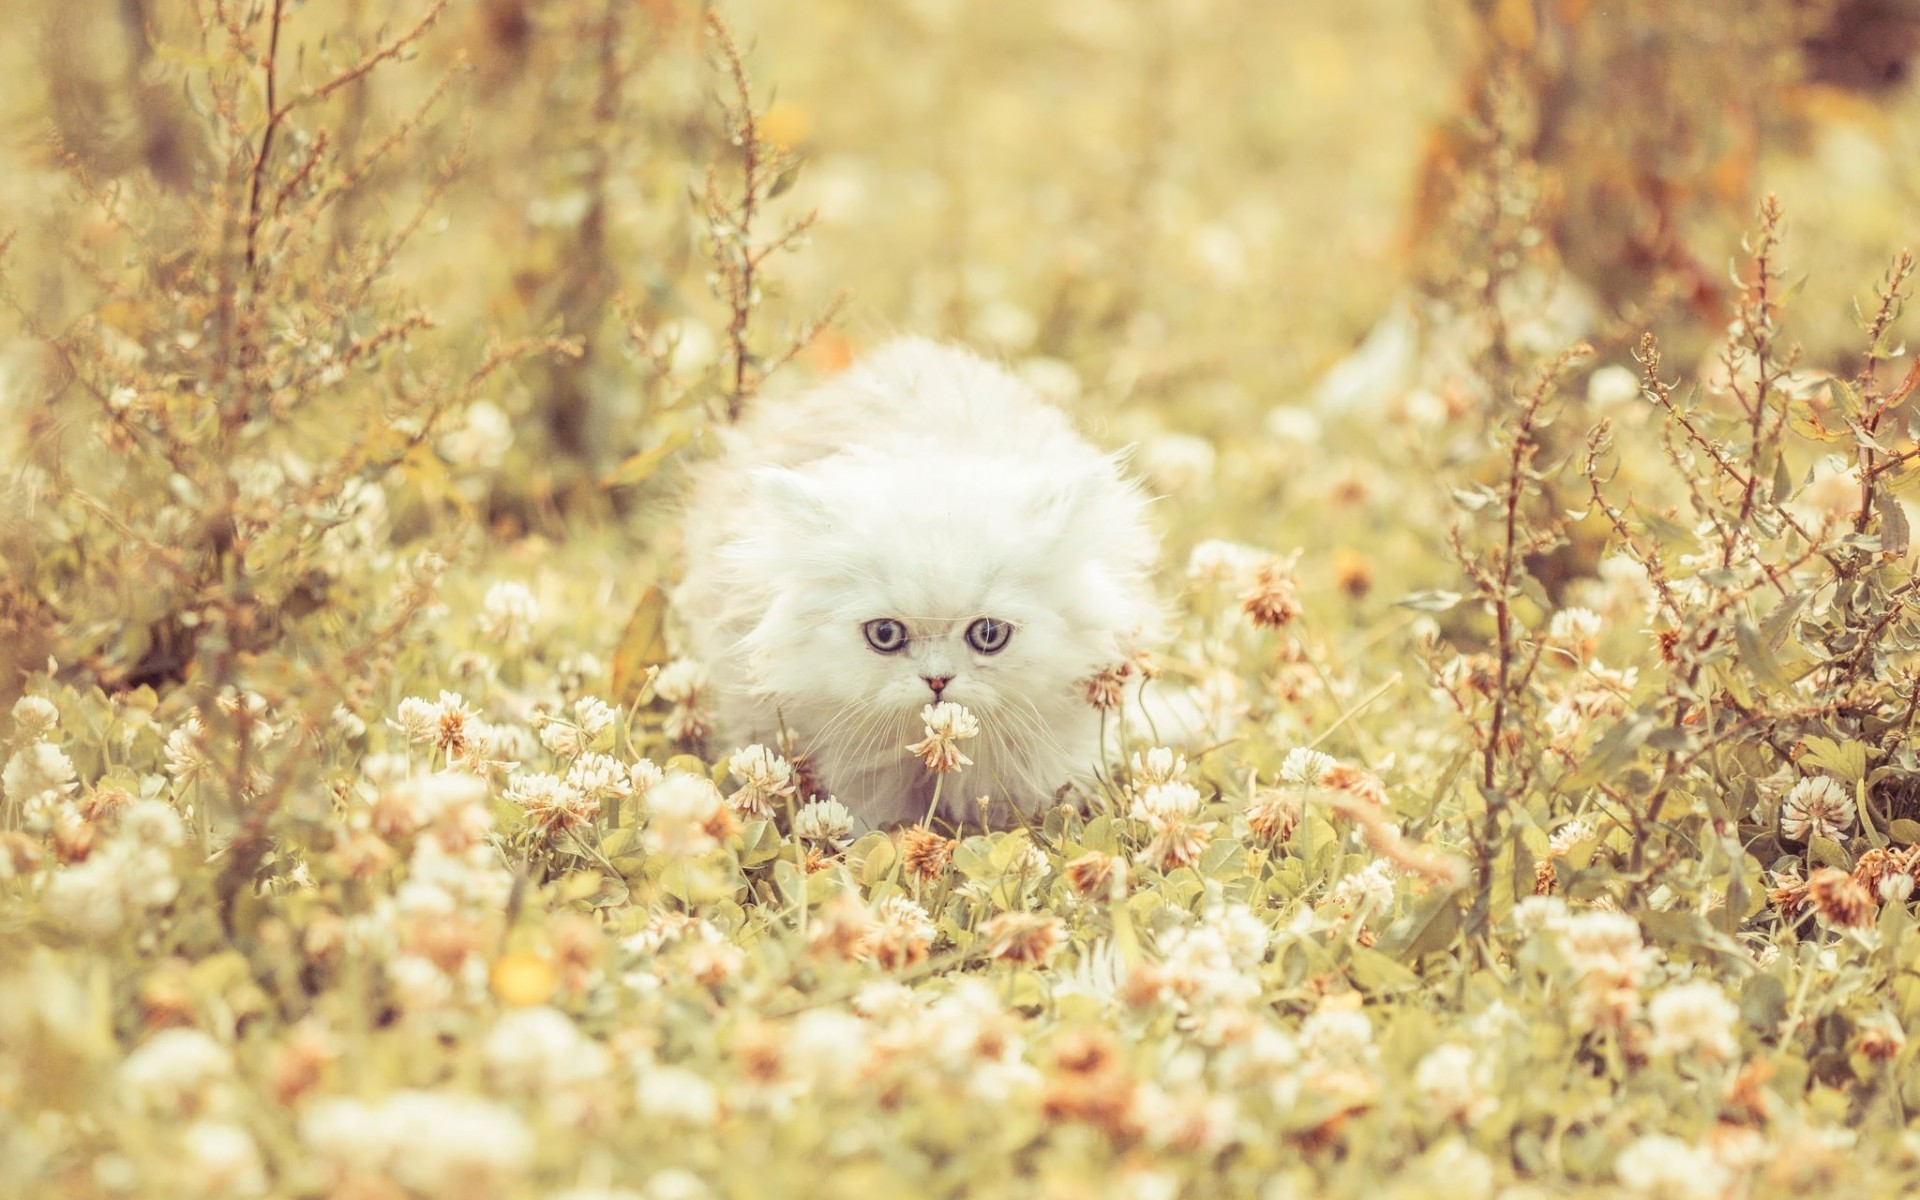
(1095, 873)
(35, 715)
(946, 725)
(926, 854)
(1107, 687)
(37, 770)
(1273, 814)
(1694, 1018)
(1818, 806)
(1025, 938)
(686, 816)
(1177, 841)
(1305, 768)
(1271, 602)
(1839, 899)
(1160, 765)
(766, 778)
(1455, 1081)
(823, 821)
(1576, 630)
(601, 778)
(552, 804)
(509, 613)
(1658, 1165)
(1165, 801)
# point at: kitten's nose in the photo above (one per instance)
(938, 683)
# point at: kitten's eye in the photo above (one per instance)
(989, 636)
(886, 635)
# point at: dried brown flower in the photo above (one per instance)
(1880, 1039)
(1273, 814)
(1025, 938)
(1271, 602)
(1356, 782)
(1839, 899)
(1546, 879)
(1095, 873)
(1788, 896)
(927, 854)
(1106, 689)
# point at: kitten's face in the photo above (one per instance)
(988, 590)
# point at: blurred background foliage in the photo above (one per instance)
(324, 321)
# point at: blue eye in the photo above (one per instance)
(886, 635)
(989, 636)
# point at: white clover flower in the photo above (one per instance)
(509, 613)
(35, 715)
(1173, 800)
(440, 1144)
(1536, 914)
(1224, 564)
(600, 777)
(1817, 806)
(37, 770)
(643, 774)
(1368, 890)
(553, 805)
(1667, 1168)
(1337, 1033)
(176, 1069)
(417, 719)
(766, 778)
(541, 1051)
(1454, 1080)
(152, 823)
(1576, 629)
(1694, 1018)
(1568, 836)
(1244, 935)
(561, 739)
(1177, 463)
(481, 439)
(823, 821)
(87, 898)
(827, 1046)
(1305, 768)
(595, 715)
(946, 725)
(1160, 765)
(680, 681)
(684, 812)
(677, 1094)
(1611, 386)
(225, 1159)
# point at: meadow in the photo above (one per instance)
(1526, 394)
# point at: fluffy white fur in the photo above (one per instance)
(933, 487)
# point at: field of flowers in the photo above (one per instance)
(1548, 820)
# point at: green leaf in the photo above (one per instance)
(1756, 655)
(1904, 831)
(1763, 1003)
(1829, 853)
(643, 645)
(1894, 531)
(1375, 972)
(1848, 761)
(1429, 929)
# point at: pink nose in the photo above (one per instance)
(938, 683)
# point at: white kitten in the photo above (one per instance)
(920, 528)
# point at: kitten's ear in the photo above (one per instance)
(792, 495)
